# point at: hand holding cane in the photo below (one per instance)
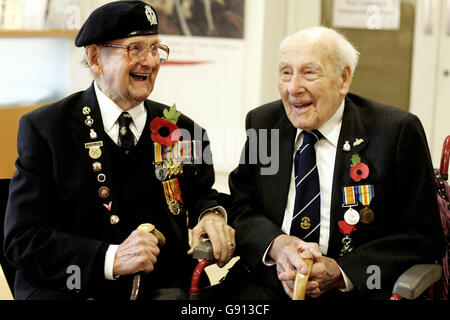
(149, 228)
(300, 282)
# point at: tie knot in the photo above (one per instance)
(311, 137)
(125, 119)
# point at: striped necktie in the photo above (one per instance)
(306, 219)
(126, 138)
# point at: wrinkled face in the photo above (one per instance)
(125, 82)
(310, 86)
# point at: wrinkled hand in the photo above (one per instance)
(221, 235)
(325, 276)
(137, 253)
(289, 253)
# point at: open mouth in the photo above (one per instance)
(301, 106)
(139, 76)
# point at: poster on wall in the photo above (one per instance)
(204, 74)
(367, 14)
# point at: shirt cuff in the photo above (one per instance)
(220, 209)
(109, 262)
(266, 259)
(348, 284)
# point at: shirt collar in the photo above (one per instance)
(330, 129)
(110, 111)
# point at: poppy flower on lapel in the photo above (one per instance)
(359, 171)
(164, 132)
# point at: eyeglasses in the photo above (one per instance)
(137, 51)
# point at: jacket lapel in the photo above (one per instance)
(278, 196)
(81, 136)
(351, 130)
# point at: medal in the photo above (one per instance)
(160, 173)
(346, 230)
(172, 194)
(367, 215)
(174, 207)
(351, 216)
(365, 196)
(94, 149)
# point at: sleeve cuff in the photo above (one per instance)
(348, 284)
(109, 262)
(218, 209)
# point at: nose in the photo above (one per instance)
(150, 60)
(296, 85)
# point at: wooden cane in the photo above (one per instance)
(300, 282)
(149, 228)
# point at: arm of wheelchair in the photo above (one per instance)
(414, 281)
(204, 251)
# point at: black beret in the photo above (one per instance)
(116, 20)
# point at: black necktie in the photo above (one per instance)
(306, 220)
(126, 138)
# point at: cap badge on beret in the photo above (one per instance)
(151, 15)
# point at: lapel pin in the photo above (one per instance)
(358, 142)
(347, 146)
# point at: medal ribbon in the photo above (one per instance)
(366, 194)
(167, 191)
(197, 146)
(348, 194)
(175, 188)
(158, 155)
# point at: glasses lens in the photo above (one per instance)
(136, 51)
(163, 55)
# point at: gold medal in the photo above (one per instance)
(94, 149)
(174, 207)
(172, 193)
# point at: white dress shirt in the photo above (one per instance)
(325, 156)
(110, 112)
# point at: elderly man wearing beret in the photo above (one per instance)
(98, 164)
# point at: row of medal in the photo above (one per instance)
(173, 161)
(179, 159)
(95, 154)
(351, 195)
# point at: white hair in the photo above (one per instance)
(346, 53)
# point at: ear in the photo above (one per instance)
(346, 78)
(93, 58)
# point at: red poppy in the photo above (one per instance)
(164, 132)
(359, 171)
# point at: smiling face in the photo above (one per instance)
(309, 83)
(125, 82)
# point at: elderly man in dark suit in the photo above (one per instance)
(97, 164)
(354, 189)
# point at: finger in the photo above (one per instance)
(196, 237)
(216, 233)
(312, 247)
